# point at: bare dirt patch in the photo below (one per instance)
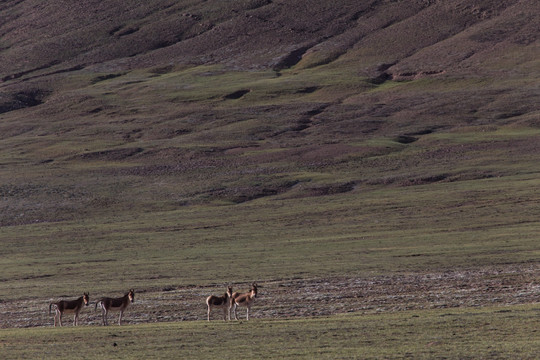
(286, 298)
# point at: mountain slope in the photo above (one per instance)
(259, 33)
(264, 95)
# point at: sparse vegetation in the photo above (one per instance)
(388, 150)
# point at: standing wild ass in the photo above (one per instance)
(223, 302)
(69, 306)
(243, 299)
(115, 304)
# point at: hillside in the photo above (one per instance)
(309, 139)
(256, 92)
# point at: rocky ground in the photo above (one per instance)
(280, 299)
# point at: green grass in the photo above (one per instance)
(240, 190)
(86, 218)
(460, 197)
(499, 333)
(383, 230)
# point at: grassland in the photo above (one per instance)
(384, 198)
(487, 333)
(214, 191)
(364, 232)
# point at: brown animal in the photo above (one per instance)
(243, 299)
(69, 306)
(115, 304)
(223, 302)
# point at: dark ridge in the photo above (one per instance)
(248, 197)
(258, 4)
(291, 59)
(408, 74)
(106, 77)
(300, 126)
(426, 180)
(29, 98)
(162, 44)
(74, 68)
(96, 110)
(22, 73)
(37, 276)
(405, 139)
(162, 70)
(331, 189)
(117, 154)
(389, 23)
(421, 132)
(511, 114)
(412, 181)
(304, 122)
(237, 94)
(402, 181)
(241, 195)
(317, 110)
(115, 30)
(382, 78)
(23, 99)
(432, 72)
(127, 31)
(384, 67)
(308, 90)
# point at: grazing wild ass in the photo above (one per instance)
(69, 306)
(243, 299)
(223, 302)
(115, 304)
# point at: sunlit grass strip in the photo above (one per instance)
(497, 332)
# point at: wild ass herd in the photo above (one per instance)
(107, 304)
(228, 303)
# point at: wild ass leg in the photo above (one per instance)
(120, 317)
(104, 316)
(231, 309)
(225, 313)
(57, 318)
